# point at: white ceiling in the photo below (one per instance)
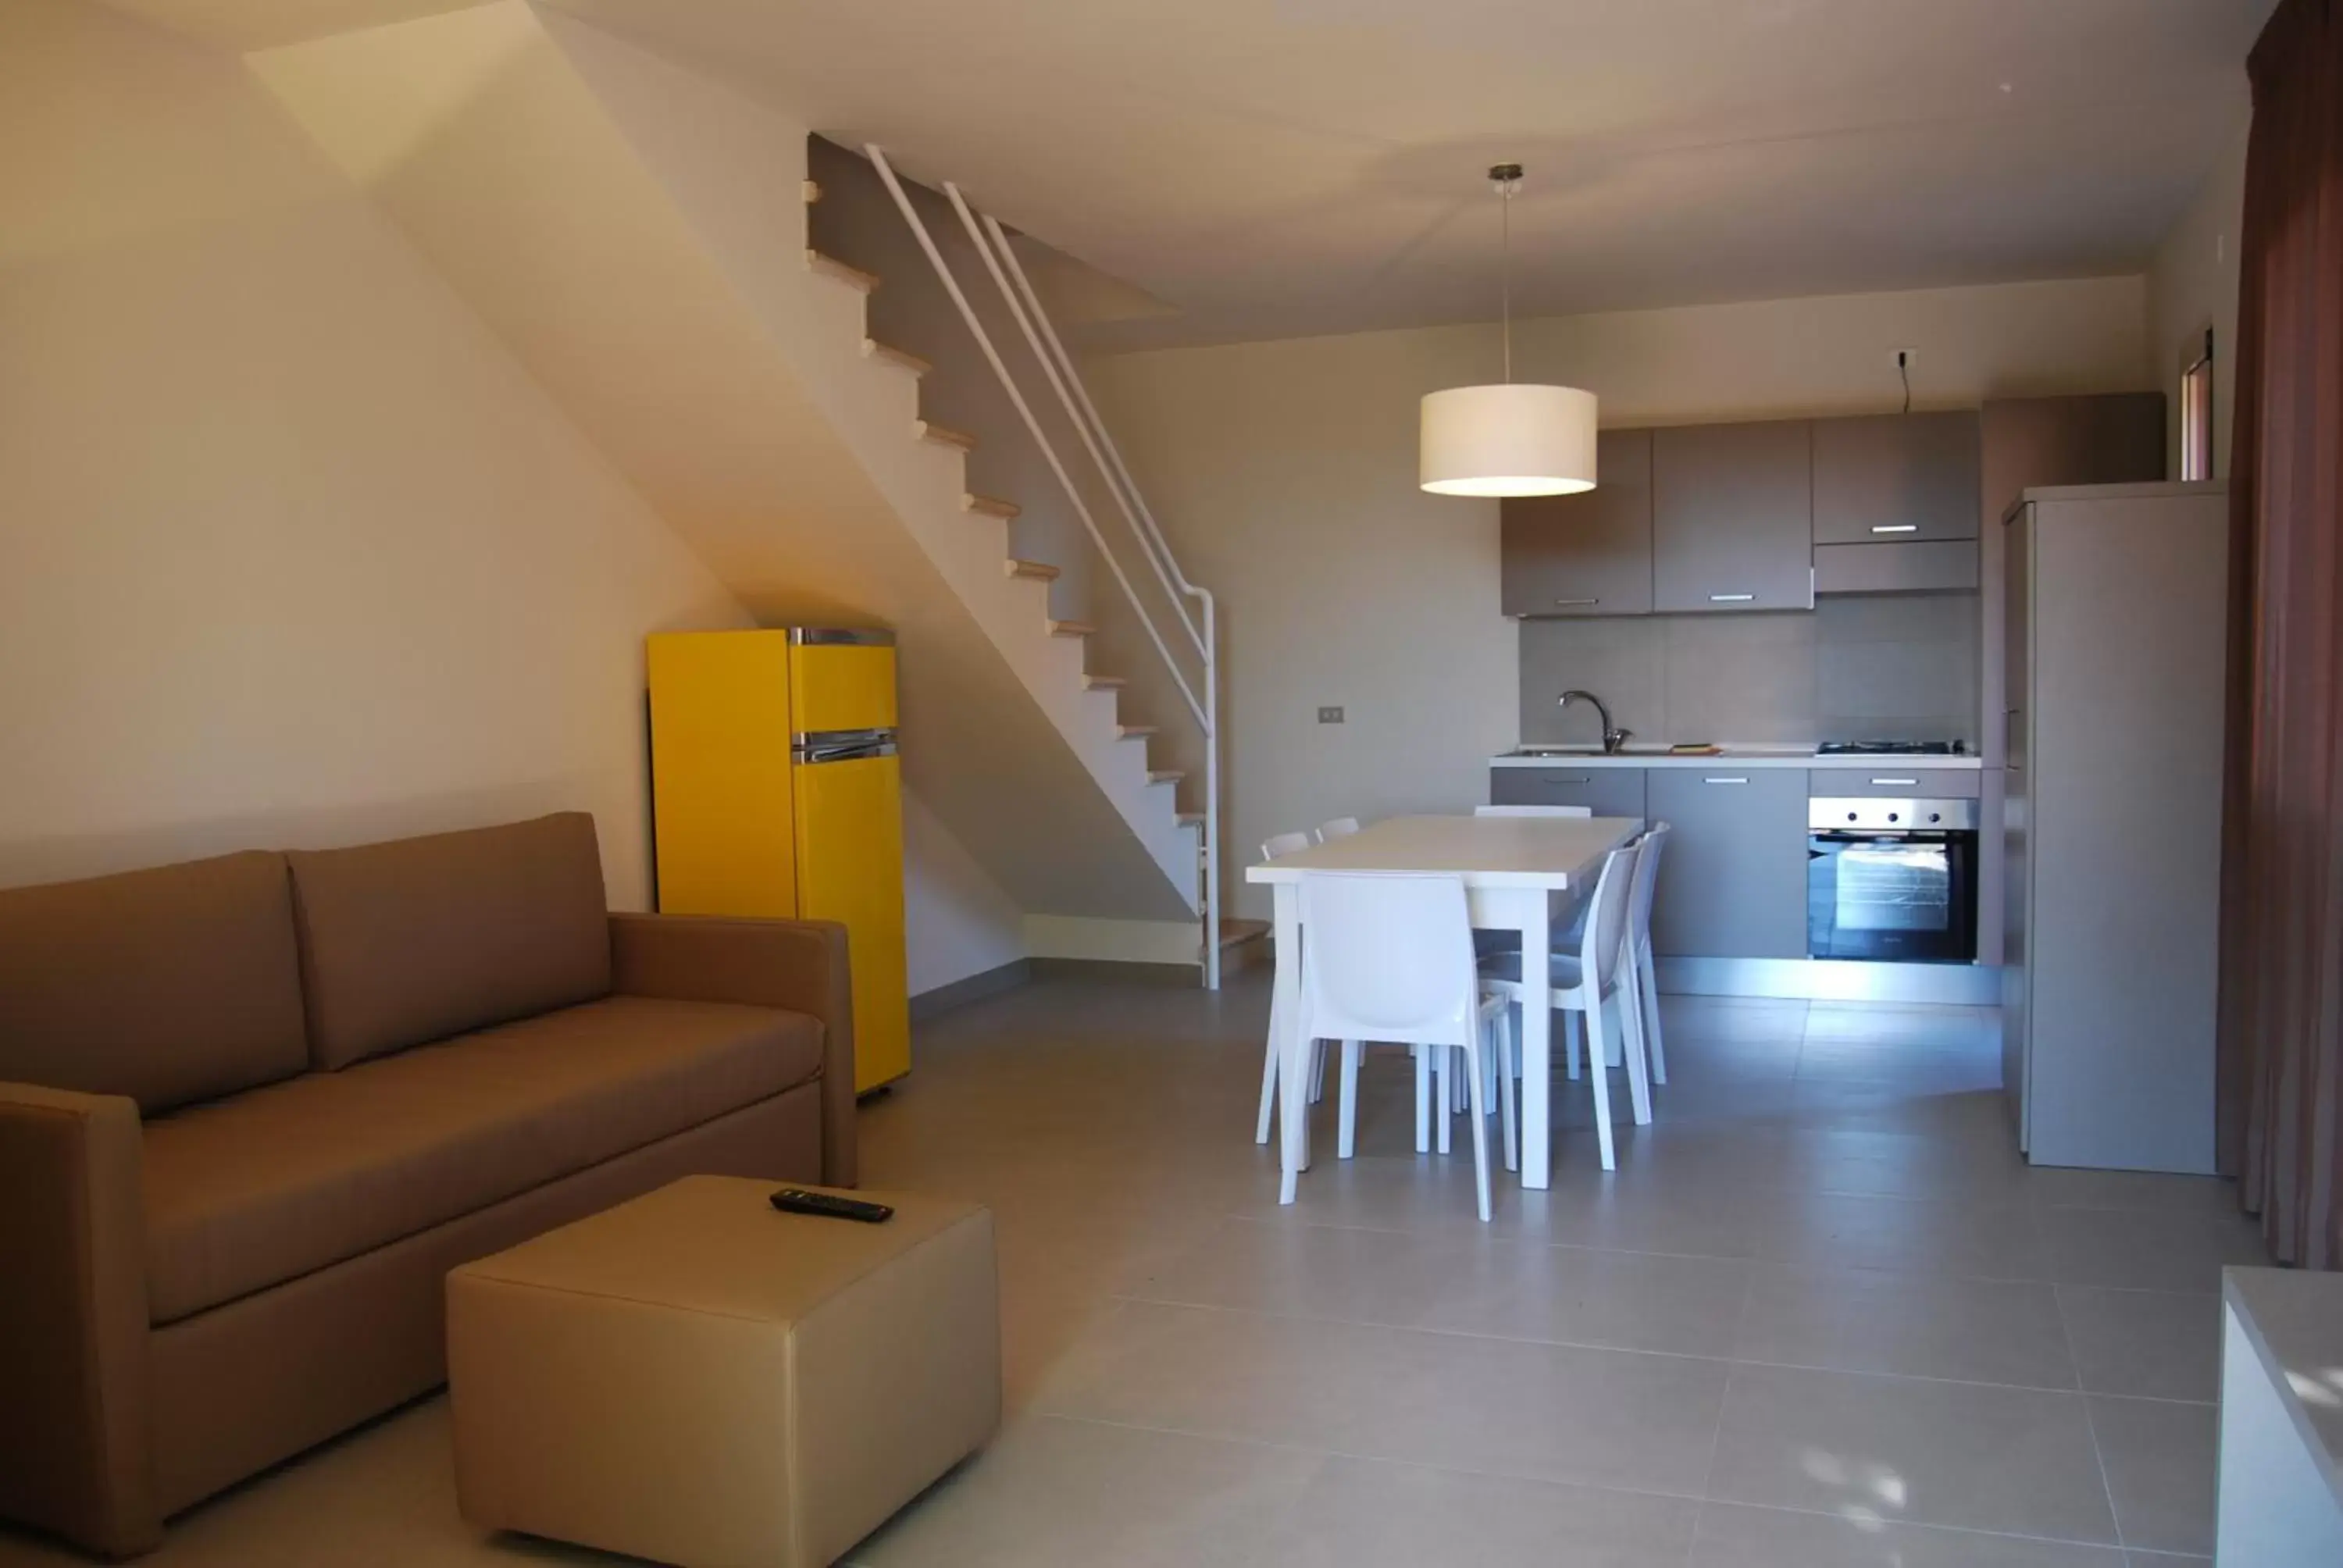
(1274, 168)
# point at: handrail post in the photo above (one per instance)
(1212, 798)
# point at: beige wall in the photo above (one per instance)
(2193, 285)
(1286, 474)
(294, 551)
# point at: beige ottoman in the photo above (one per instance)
(695, 1378)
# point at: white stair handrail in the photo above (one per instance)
(1025, 323)
(1009, 385)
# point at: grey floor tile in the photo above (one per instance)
(2162, 1463)
(1859, 1231)
(2153, 1345)
(1615, 1418)
(1977, 1330)
(1734, 1535)
(2018, 1460)
(2145, 1249)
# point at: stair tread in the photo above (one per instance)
(1104, 682)
(1234, 930)
(1070, 629)
(1038, 571)
(1165, 776)
(944, 435)
(874, 349)
(812, 192)
(845, 272)
(1134, 731)
(1189, 819)
(990, 506)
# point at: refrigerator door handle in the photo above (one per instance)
(841, 744)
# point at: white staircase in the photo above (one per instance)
(636, 233)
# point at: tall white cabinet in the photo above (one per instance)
(2118, 603)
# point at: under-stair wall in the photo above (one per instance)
(635, 234)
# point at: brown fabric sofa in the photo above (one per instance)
(254, 1108)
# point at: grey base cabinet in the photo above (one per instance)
(1606, 791)
(1733, 883)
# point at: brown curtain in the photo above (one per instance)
(2282, 936)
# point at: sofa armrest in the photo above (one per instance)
(73, 1417)
(800, 965)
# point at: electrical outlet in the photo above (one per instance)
(1329, 715)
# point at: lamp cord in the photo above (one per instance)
(1506, 268)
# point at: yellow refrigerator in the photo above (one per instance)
(776, 792)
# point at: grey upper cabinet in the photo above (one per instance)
(1733, 883)
(1733, 516)
(1606, 791)
(1588, 554)
(1895, 477)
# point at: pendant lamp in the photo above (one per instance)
(1512, 438)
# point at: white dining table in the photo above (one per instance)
(1516, 871)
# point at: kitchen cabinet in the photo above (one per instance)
(2118, 637)
(1606, 791)
(1588, 554)
(1733, 883)
(1895, 479)
(1887, 781)
(1938, 566)
(1733, 516)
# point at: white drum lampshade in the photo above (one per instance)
(1510, 439)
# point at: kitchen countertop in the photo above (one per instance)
(1736, 756)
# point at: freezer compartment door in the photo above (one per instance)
(850, 852)
(842, 686)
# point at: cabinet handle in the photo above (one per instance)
(1895, 528)
(1724, 780)
(1908, 782)
(1565, 603)
(1731, 597)
(1558, 778)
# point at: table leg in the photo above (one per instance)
(1292, 1050)
(1537, 1042)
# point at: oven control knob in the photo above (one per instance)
(1936, 816)
(1850, 816)
(1893, 817)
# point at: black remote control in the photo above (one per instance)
(797, 1201)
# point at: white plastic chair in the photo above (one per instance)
(1270, 849)
(1581, 984)
(1389, 958)
(1641, 975)
(1340, 828)
(1534, 810)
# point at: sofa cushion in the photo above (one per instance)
(168, 985)
(251, 1191)
(419, 938)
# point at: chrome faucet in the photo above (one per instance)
(1613, 737)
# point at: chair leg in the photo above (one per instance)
(1508, 1111)
(1268, 1077)
(1347, 1138)
(1424, 1099)
(1444, 1069)
(1570, 1047)
(1650, 992)
(1480, 1110)
(1598, 1051)
(1631, 1028)
(1317, 1071)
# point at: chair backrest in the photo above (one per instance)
(1647, 875)
(1388, 957)
(1534, 810)
(1340, 828)
(1278, 844)
(1606, 917)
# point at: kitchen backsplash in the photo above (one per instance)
(1902, 666)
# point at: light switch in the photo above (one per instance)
(1329, 715)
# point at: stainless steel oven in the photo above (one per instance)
(1891, 880)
